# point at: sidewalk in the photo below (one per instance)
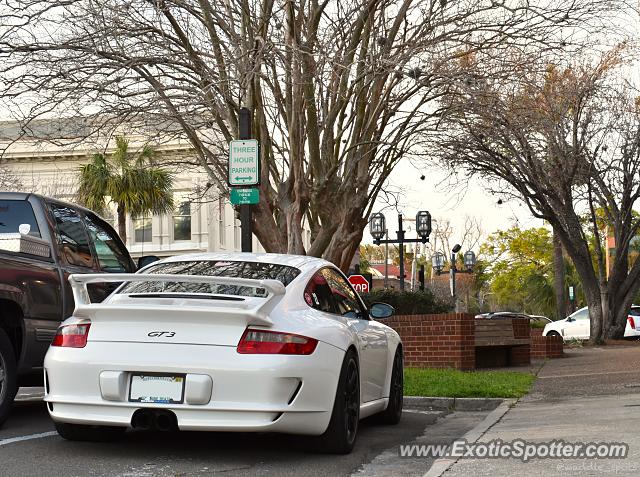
(592, 395)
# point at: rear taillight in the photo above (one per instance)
(274, 342)
(632, 323)
(72, 336)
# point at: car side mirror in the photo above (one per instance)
(146, 260)
(569, 319)
(380, 311)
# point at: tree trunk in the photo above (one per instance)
(122, 223)
(618, 311)
(579, 252)
(559, 277)
(619, 322)
(594, 303)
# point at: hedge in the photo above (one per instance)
(407, 302)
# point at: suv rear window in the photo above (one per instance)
(214, 268)
(13, 214)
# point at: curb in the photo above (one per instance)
(440, 466)
(452, 404)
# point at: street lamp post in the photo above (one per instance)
(377, 228)
(438, 259)
(452, 275)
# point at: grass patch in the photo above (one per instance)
(454, 383)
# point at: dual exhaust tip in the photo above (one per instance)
(154, 419)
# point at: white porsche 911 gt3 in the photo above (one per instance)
(224, 342)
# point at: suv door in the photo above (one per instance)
(372, 335)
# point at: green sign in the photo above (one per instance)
(244, 163)
(244, 196)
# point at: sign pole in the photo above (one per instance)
(246, 214)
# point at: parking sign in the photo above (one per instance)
(244, 163)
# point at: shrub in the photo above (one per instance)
(407, 302)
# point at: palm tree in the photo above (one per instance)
(130, 180)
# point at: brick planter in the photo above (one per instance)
(449, 341)
(437, 341)
(543, 347)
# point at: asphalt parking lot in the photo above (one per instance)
(29, 446)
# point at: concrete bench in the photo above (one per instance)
(502, 342)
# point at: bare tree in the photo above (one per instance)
(566, 141)
(559, 277)
(444, 234)
(338, 89)
(8, 180)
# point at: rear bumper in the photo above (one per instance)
(631, 332)
(276, 393)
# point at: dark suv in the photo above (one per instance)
(42, 242)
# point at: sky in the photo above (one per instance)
(435, 194)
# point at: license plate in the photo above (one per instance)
(164, 389)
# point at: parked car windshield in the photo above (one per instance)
(213, 268)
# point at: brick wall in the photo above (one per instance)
(437, 341)
(448, 341)
(543, 347)
(521, 355)
(521, 328)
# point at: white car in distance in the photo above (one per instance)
(577, 325)
(225, 342)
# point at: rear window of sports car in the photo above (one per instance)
(211, 268)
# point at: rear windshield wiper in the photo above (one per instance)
(186, 295)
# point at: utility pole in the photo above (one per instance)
(246, 212)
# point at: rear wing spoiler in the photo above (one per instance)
(82, 300)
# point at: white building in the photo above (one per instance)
(201, 221)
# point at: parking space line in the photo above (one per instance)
(42, 435)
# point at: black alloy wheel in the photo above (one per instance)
(393, 412)
(352, 401)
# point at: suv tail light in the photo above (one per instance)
(632, 323)
(274, 342)
(72, 336)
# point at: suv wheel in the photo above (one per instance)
(8, 386)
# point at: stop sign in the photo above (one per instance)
(359, 283)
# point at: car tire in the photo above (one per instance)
(553, 333)
(80, 432)
(340, 436)
(8, 371)
(393, 412)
